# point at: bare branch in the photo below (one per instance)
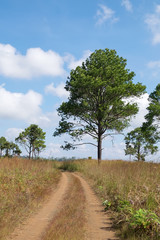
(78, 144)
(111, 134)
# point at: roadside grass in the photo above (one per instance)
(70, 221)
(132, 191)
(24, 185)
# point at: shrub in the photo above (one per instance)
(69, 166)
(145, 219)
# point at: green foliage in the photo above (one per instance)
(2, 144)
(8, 149)
(144, 219)
(107, 205)
(128, 187)
(12, 149)
(119, 205)
(151, 126)
(97, 103)
(138, 145)
(69, 166)
(154, 106)
(124, 206)
(100, 188)
(33, 139)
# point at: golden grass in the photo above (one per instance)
(135, 182)
(24, 184)
(69, 222)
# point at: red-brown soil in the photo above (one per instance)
(98, 223)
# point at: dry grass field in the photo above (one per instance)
(129, 191)
(132, 191)
(24, 185)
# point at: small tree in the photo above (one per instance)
(152, 125)
(10, 148)
(7, 147)
(153, 116)
(39, 147)
(137, 144)
(14, 149)
(33, 139)
(97, 103)
(2, 145)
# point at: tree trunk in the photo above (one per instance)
(99, 149)
(30, 152)
(139, 157)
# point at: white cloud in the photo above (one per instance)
(104, 14)
(13, 133)
(52, 150)
(127, 4)
(58, 91)
(143, 103)
(35, 63)
(26, 107)
(114, 151)
(73, 63)
(20, 106)
(153, 22)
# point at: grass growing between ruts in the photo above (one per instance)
(69, 222)
(132, 191)
(24, 184)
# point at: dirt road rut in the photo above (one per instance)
(98, 225)
(33, 228)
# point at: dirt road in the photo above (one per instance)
(98, 224)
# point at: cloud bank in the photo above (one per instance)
(19, 105)
(12, 133)
(24, 106)
(35, 63)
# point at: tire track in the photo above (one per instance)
(33, 228)
(69, 222)
(99, 225)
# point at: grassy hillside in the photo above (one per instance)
(24, 184)
(131, 190)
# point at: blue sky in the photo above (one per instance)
(41, 41)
